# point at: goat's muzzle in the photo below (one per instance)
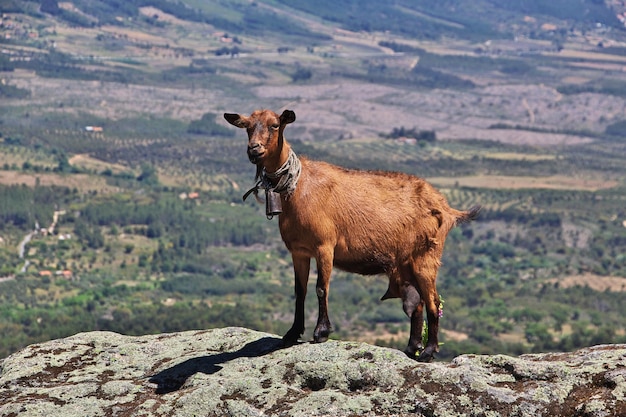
(255, 153)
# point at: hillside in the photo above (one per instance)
(121, 185)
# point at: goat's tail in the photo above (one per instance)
(468, 215)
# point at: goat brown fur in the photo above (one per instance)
(366, 222)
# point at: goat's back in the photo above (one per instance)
(381, 216)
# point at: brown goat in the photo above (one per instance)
(359, 221)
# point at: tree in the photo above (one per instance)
(302, 74)
(50, 7)
(207, 126)
(64, 163)
(148, 175)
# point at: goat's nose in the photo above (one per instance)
(254, 148)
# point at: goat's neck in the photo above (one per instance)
(273, 164)
(284, 178)
(279, 173)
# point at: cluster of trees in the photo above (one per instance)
(19, 328)
(302, 74)
(185, 232)
(420, 76)
(225, 50)
(595, 10)
(469, 64)
(11, 91)
(22, 207)
(556, 319)
(480, 277)
(207, 125)
(420, 135)
(617, 129)
(77, 19)
(608, 86)
(55, 64)
(106, 12)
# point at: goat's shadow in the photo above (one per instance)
(172, 379)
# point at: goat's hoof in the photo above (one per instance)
(290, 339)
(426, 356)
(411, 355)
(289, 342)
(413, 350)
(321, 336)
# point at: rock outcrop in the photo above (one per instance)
(240, 372)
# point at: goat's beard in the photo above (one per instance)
(259, 171)
(255, 159)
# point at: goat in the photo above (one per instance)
(365, 222)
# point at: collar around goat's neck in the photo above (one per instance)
(282, 181)
(286, 176)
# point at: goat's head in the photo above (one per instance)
(265, 132)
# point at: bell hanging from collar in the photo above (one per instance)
(273, 206)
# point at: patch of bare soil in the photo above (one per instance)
(365, 110)
(150, 11)
(116, 100)
(555, 182)
(514, 137)
(82, 182)
(595, 282)
(88, 162)
(454, 336)
(587, 55)
(576, 236)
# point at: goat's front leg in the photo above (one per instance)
(301, 267)
(324, 262)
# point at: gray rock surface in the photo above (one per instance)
(240, 372)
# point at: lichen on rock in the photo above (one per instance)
(240, 372)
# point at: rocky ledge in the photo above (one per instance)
(240, 372)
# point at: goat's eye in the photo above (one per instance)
(275, 126)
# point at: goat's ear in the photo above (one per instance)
(287, 117)
(236, 120)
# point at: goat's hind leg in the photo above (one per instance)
(413, 305)
(426, 281)
(301, 267)
(423, 272)
(432, 346)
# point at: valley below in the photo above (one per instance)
(117, 121)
